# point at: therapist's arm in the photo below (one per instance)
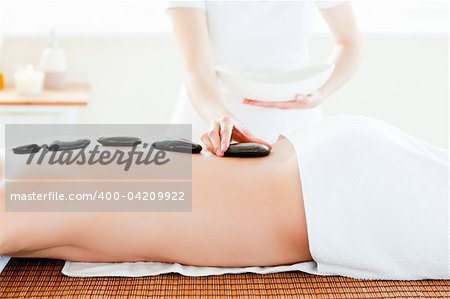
(347, 52)
(346, 57)
(191, 32)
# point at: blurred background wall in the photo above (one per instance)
(135, 78)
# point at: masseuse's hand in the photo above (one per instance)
(225, 130)
(300, 101)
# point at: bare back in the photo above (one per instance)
(245, 212)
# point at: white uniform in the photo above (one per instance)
(256, 36)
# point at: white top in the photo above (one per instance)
(256, 36)
(259, 35)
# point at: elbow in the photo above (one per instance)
(352, 50)
(353, 46)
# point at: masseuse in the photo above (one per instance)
(254, 36)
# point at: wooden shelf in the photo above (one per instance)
(71, 95)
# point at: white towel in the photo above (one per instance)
(3, 262)
(376, 200)
(76, 269)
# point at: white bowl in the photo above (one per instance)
(274, 86)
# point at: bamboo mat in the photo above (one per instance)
(40, 278)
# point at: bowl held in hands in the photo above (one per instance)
(274, 86)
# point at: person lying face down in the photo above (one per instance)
(348, 193)
(234, 215)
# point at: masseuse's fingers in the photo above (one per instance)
(226, 129)
(241, 134)
(280, 105)
(301, 101)
(211, 139)
(205, 139)
(222, 132)
(307, 101)
(214, 136)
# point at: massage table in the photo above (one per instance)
(42, 278)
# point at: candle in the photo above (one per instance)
(29, 81)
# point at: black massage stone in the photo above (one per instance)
(27, 149)
(68, 145)
(119, 141)
(247, 150)
(178, 146)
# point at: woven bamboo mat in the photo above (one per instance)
(39, 278)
